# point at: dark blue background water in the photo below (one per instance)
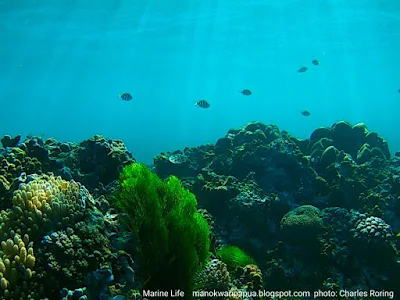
(63, 64)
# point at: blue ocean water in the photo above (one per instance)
(63, 64)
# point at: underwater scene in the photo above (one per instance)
(204, 149)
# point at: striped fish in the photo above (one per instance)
(202, 104)
(126, 96)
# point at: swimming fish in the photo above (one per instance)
(126, 96)
(177, 159)
(302, 69)
(315, 62)
(305, 113)
(202, 104)
(398, 90)
(246, 92)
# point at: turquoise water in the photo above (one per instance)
(63, 64)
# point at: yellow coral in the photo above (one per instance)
(2, 267)
(3, 283)
(253, 275)
(42, 196)
(30, 261)
(44, 202)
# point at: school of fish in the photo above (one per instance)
(246, 92)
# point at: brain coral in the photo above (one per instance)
(301, 225)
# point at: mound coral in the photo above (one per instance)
(375, 235)
(301, 225)
(355, 140)
(173, 237)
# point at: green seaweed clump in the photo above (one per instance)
(234, 257)
(173, 238)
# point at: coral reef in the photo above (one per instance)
(300, 199)
(85, 221)
(42, 205)
(51, 237)
(95, 162)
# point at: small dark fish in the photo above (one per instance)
(126, 96)
(315, 62)
(202, 104)
(246, 92)
(305, 113)
(398, 90)
(302, 69)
